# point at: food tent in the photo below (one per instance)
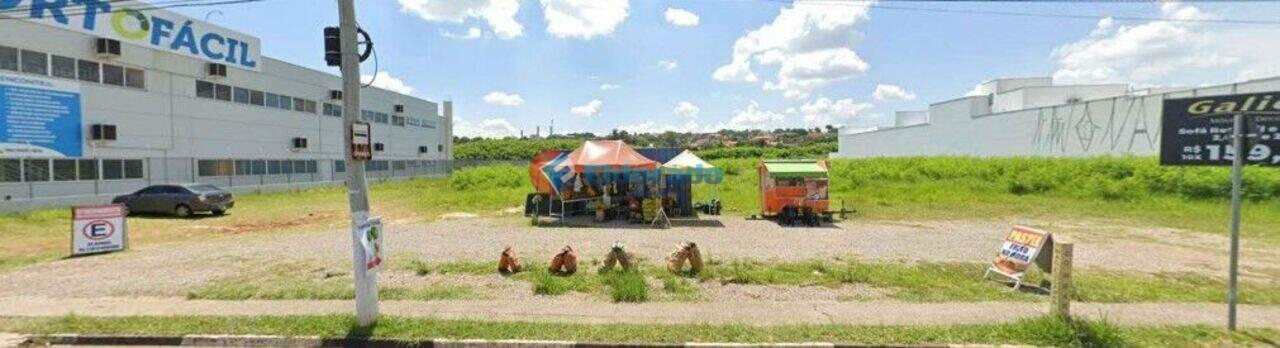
(592, 166)
(684, 170)
(596, 155)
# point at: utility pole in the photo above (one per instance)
(366, 283)
(1237, 183)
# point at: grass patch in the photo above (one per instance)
(943, 282)
(545, 283)
(677, 287)
(41, 235)
(1132, 191)
(1040, 331)
(454, 267)
(1110, 286)
(626, 286)
(287, 283)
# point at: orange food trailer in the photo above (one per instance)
(794, 191)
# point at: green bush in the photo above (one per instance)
(490, 177)
(510, 149)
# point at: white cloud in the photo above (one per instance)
(583, 19)
(810, 41)
(499, 14)
(1167, 52)
(609, 86)
(892, 92)
(385, 81)
(589, 109)
(686, 110)
(754, 118)
(503, 99)
(488, 128)
(471, 34)
(681, 17)
(824, 111)
(668, 64)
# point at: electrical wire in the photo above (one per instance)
(879, 5)
(157, 6)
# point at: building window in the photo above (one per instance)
(64, 170)
(214, 167)
(272, 100)
(273, 167)
(339, 166)
(113, 75)
(10, 169)
(204, 89)
(255, 98)
(222, 92)
(309, 106)
(35, 62)
(133, 169)
(298, 104)
(8, 58)
(112, 169)
(440, 147)
(398, 165)
(135, 78)
(64, 67)
(88, 71)
(88, 169)
(36, 170)
(286, 102)
(397, 121)
(241, 95)
(286, 167)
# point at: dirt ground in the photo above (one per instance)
(171, 270)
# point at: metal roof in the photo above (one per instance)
(795, 169)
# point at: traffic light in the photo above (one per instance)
(332, 46)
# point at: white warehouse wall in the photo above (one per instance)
(1125, 125)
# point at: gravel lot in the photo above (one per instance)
(173, 269)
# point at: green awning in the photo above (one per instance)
(795, 169)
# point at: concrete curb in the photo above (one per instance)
(311, 341)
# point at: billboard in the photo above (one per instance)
(1198, 130)
(39, 117)
(143, 24)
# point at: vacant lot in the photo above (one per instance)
(1149, 241)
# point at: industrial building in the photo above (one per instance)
(116, 99)
(1034, 117)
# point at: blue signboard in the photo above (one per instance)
(39, 117)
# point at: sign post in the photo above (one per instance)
(1215, 131)
(98, 229)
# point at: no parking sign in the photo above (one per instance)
(98, 229)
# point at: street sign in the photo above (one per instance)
(1198, 131)
(98, 229)
(1022, 247)
(371, 241)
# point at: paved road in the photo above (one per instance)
(557, 310)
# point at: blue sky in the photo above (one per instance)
(645, 65)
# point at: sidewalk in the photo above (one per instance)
(754, 313)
